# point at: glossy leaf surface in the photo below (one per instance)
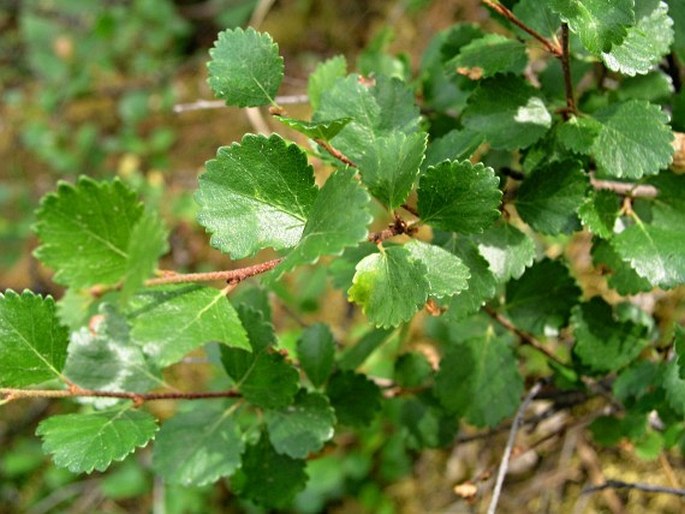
(86, 442)
(246, 69)
(33, 343)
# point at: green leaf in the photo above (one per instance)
(600, 211)
(389, 286)
(549, 198)
(537, 16)
(237, 362)
(170, 321)
(76, 307)
(267, 477)
(677, 12)
(542, 297)
(491, 54)
(412, 369)
(654, 244)
(316, 350)
(679, 348)
(344, 390)
(457, 36)
(390, 167)
(245, 68)
(508, 250)
(578, 134)
(603, 343)
(607, 430)
(198, 447)
(655, 252)
(86, 231)
(655, 87)
(635, 140)
(338, 219)
(674, 386)
(376, 59)
(508, 112)
(479, 379)
(598, 23)
(622, 277)
(260, 331)
(270, 382)
(342, 269)
(649, 446)
(426, 422)
(103, 357)
(481, 285)
(324, 77)
(147, 244)
(438, 90)
(378, 107)
(256, 194)
(447, 275)
(316, 130)
(33, 343)
(252, 296)
(456, 145)
(356, 355)
(638, 380)
(645, 44)
(86, 442)
(301, 428)
(459, 197)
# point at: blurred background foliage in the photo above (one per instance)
(89, 87)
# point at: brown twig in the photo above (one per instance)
(234, 276)
(566, 66)
(551, 47)
(626, 188)
(398, 227)
(525, 337)
(335, 152)
(11, 394)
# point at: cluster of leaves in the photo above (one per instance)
(493, 255)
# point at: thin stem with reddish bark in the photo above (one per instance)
(235, 276)
(549, 45)
(626, 188)
(231, 276)
(11, 394)
(525, 337)
(398, 227)
(335, 152)
(566, 66)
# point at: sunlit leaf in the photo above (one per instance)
(33, 343)
(246, 69)
(86, 442)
